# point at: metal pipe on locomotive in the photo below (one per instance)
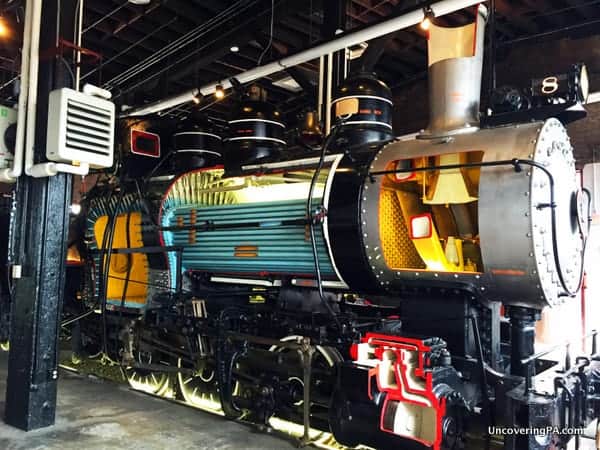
(358, 289)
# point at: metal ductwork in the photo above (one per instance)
(345, 40)
(455, 57)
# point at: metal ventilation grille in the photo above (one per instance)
(81, 129)
(89, 128)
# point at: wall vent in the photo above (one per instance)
(81, 129)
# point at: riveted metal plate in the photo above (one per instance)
(514, 231)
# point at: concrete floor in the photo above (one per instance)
(96, 415)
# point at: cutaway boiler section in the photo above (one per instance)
(435, 223)
(127, 273)
(253, 226)
(114, 223)
(498, 211)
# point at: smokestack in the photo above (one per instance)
(455, 57)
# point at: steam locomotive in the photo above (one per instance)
(382, 290)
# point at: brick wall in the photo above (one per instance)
(585, 135)
(411, 108)
(518, 66)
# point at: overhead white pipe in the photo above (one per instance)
(50, 169)
(78, 42)
(10, 175)
(345, 40)
(34, 59)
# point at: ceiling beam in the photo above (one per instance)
(516, 15)
(130, 35)
(217, 43)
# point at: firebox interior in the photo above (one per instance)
(428, 217)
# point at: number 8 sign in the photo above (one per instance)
(549, 85)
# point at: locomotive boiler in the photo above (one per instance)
(383, 290)
(400, 217)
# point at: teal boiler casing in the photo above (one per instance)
(263, 239)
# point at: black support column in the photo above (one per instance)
(334, 20)
(38, 245)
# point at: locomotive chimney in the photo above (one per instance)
(455, 58)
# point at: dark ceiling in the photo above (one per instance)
(129, 37)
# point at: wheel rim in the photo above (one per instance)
(200, 391)
(155, 383)
(330, 357)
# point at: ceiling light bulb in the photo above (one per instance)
(219, 92)
(425, 23)
(234, 48)
(4, 30)
(75, 209)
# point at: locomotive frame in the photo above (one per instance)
(389, 357)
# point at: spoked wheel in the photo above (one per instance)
(200, 389)
(324, 359)
(151, 382)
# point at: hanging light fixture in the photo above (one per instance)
(219, 92)
(428, 16)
